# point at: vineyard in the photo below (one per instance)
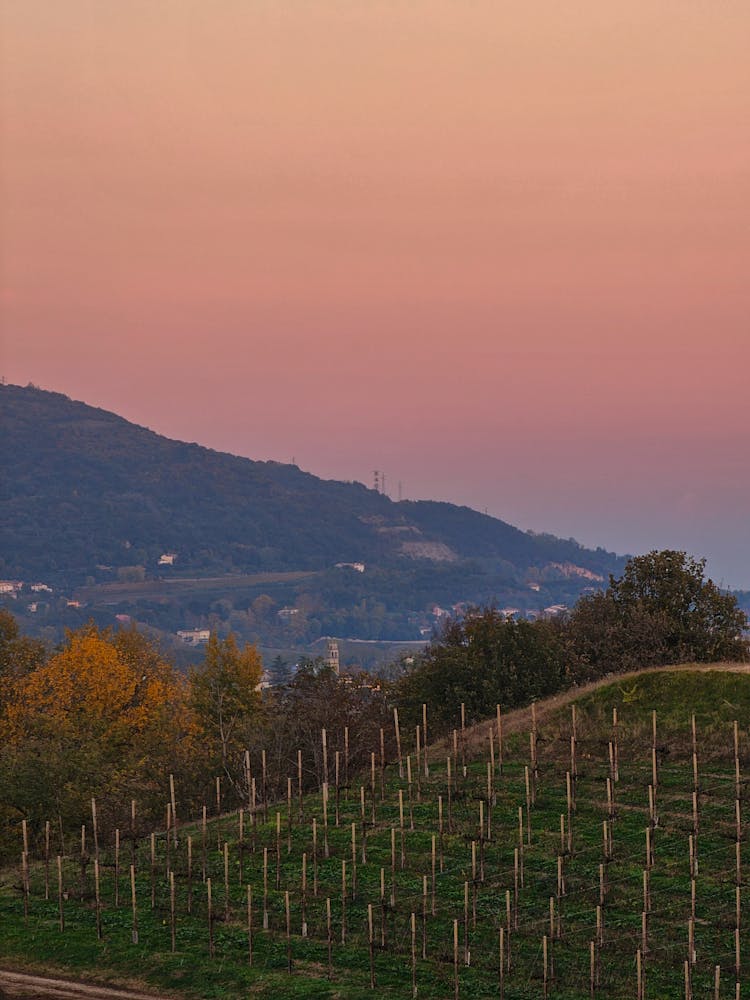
(595, 849)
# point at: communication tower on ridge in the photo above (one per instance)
(378, 481)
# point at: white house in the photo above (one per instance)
(194, 636)
(358, 567)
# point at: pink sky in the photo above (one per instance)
(499, 250)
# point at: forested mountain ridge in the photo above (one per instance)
(85, 488)
(91, 503)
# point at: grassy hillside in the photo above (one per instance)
(474, 867)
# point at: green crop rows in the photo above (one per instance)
(470, 864)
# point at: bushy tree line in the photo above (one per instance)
(661, 611)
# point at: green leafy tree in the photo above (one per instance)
(19, 655)
(280, 671)
(662, 610)
(225, 696)
(483, 660)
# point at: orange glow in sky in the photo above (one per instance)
(499, 250)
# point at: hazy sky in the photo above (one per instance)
(500, 250)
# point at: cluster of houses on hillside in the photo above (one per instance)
(13, 588)
(16, 589)
(518, 614)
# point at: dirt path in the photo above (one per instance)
(519, 720)
(31, 987)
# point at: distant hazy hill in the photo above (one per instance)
(84, 488)
(91, 502)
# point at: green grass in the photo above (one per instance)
(717, 700)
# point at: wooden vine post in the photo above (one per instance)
(455, 959)
(288, 932)
(264, 783)
(303, 896)
(278, 851)
(265, 888)
(501, 963)
(134, 906)
(117, 869)
(95, 829)
(210, 915)
(371, 941)
(226, 881)
(132, 832)
(97, 900)
(398, 743)
(172, 912)
(249, 925)
(499, 743)
(60, 895)
(413, 924)
(329, 937)
(173, 802)
(46, 859)
(25, 884)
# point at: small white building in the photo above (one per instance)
(194, 636)
(358, 567)
(10, 586)
(167, 558)
(41, 588)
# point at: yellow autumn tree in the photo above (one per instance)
(91, 691)
(107, 717)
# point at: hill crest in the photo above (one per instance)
(90, 498)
